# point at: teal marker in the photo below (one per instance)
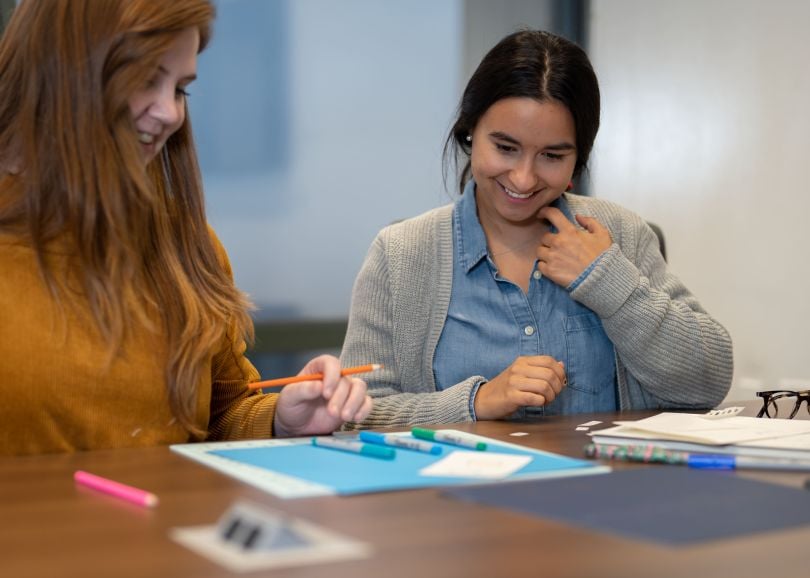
(396, 441)
(447, 436)
(371, 450)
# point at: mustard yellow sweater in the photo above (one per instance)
(59, 394)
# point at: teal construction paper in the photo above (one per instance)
(348, 473)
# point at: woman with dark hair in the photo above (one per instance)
(520, 299)
(121, 322)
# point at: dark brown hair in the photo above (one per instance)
(531, 64)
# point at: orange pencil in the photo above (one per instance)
(313, 376)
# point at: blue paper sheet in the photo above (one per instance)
(270, 463)
(665, 504)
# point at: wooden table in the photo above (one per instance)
(52, 528)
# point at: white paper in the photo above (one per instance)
(696, 428)
(482, 465)
(795, 442)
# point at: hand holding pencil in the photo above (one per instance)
(321, 398)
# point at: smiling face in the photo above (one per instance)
(523, 157)
(159, 108)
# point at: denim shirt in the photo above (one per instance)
(491, 321)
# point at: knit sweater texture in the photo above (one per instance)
(670, 353)
(62, 393)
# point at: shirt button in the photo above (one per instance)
(528, 330)
(537, 274)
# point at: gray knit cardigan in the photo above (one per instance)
(670, 353)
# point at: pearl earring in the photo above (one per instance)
(468, 138)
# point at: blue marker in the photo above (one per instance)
(356, 447)
(710, 462)
(400, 442)
(725, 462)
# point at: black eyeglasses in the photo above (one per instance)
(781, 400)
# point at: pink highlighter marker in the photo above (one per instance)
(127, 493)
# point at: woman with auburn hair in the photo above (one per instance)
(121, 324)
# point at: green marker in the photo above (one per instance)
(447, 436)
(371, 450)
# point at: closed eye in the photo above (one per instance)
(505, 148)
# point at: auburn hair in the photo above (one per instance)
(73, 169)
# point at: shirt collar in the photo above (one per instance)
(562, 204)
(472, 242)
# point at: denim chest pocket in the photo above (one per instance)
(590, 365)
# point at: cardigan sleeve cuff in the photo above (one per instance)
(582, 276)
(609, 284)
(479, 381)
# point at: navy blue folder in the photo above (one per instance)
(666, 504)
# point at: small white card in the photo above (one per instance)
(324, 547)
(482, 465)
(725, 412)
(588, 424)
(250, 537)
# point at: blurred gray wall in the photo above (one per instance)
(320, 121)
